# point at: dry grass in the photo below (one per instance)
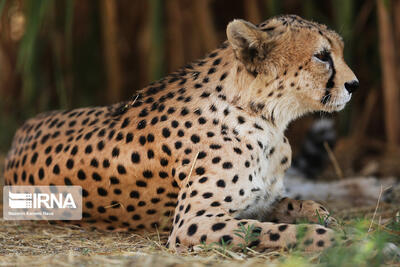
(40, 244)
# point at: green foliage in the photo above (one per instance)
(2, 4)
(249, 234)
(157, 52)
(360, 247)
(29, 50)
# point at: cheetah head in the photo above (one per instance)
(297, 62)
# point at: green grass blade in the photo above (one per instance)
(2, 4)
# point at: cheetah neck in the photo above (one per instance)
(221, 79)
(255, 97)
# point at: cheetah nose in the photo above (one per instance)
(351, 86)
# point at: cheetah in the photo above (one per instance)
(202, 151)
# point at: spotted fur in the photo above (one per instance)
(202, 151)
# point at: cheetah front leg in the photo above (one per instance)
(216, 227)
(289, 210)
(201, 219)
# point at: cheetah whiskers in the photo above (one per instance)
(326, 98)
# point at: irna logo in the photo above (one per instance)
(40, 200)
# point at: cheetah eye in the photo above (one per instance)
(324, 56)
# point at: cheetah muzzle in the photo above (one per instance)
(202, 151)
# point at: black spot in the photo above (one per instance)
(205, 95)
(88, 149)
(121, 169)
(141, 125)
(81, 175)
(56, 169)
(215, 204)
(215, 146)
(221, 183)
(274, 236)
(188, 124)
(96, 176)
(147, 174)
(114, 180)
(141, 183)
(320, 243)
(187, 208)
(101, 191)
(70, 163)
(218, 226)
(227, 165)
(166, 150)
(235, 179)
(207, 195)
(150, 154)
(195, 138)
(181, 133)
(34, 158)
(150, 138)
(210, 134)
(290, 206)
(67, 181)
(237, 150)
(142, 140)
(134, 194)
(31, 180)
(40, 173)
(200, 171)
(203, 238)
(174, 124)
(106, 163)
(203, 180)
(100, 145)
(135, 157)
(282, 227)
(184, 111)
(136, 217)
(223, 76)
(321, 231)
(228, 199)
(166, 132)
(200, 212)
(48, 161)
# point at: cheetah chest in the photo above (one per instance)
(267, 183)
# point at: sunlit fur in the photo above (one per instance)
(290, 81)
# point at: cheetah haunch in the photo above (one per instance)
(202, 151)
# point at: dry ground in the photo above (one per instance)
(40, 244)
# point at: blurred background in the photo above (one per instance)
(65, 54)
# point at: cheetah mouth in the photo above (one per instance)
(338, 103)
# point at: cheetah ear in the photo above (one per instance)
(249, 43)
